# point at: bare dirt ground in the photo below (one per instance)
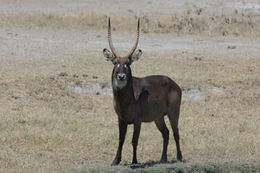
(146, 7)
(56, 110)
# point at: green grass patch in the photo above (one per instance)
(183, 168)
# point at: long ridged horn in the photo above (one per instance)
(137, 39)
(110, 40)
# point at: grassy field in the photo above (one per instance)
(49, 125)
(189, 22)
(45, 127)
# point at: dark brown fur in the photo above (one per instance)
(143, 100)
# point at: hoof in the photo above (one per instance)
(115, 162)
(163, 161)
(134, 162)
(179, 157)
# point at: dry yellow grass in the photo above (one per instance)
(189, 22)
(45, 127)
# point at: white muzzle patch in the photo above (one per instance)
(120, 83)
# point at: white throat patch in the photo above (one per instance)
(120, 84)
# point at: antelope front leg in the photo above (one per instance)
(122, 132)
(137, 128)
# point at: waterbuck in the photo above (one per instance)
(138, 100)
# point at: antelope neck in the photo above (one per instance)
(124, 96)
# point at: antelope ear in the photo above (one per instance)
(136, 55)
(109, 56)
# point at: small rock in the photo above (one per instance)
(84, 75)
(63, 74)
(212, 18)
(17, 97)
(227, 20)
(21, 121)
(130, 11)
(94, 77)
(103, 86)
(75, 76)
(161, 25)
(198, 11)
(79, 83)
(231, 47)
(197, 58)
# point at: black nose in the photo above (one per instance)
(121, 76)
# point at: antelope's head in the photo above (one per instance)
(122, 71)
